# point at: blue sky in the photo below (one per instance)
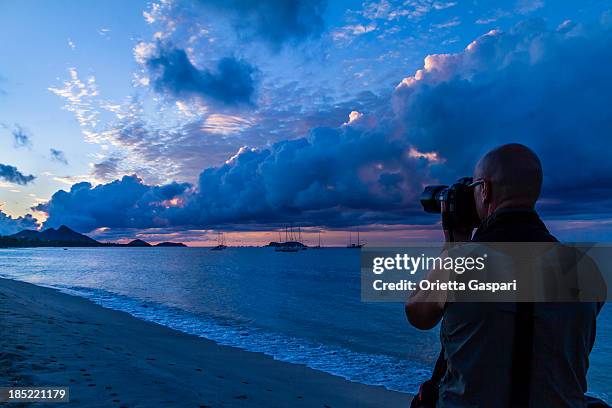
(248, 115)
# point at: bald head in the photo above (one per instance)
(514, 174)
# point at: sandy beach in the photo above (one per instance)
(109, 358)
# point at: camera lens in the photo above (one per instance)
(431, 198)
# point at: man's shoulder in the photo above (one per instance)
(514, 226)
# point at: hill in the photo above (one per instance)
(138, 243)
(170, 244)
(61, 235)
(66, 237)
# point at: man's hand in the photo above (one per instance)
(452, 231)
(424, 309)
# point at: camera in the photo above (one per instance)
(458, 200)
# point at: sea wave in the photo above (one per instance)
(371, 369)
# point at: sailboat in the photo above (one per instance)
(351, 244)
(319, 245)
(220, 242)
(291, 243)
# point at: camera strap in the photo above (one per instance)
(522, 348)
(522, 355)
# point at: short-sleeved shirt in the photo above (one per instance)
(478, 338)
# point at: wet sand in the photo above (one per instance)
(111, 359)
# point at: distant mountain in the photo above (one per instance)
(65, 237)
(171, 244)
(62, 234)
(26, 234)
(138, 243)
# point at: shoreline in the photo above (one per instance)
(110, 358)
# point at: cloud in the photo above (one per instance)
(547, 88)
(106, 168)
(21, 138)
(448, 24)
(10, 225)
(348, 32)
(125, 203)
(487, 20)
(528, 6)
(80, 99)
(12, 175)
(393, 11)
(335, 176)
(58, 156)
(232, 82)
(276, 22)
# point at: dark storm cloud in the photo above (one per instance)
(274, 21)
(10, 225)
(58, 156)
(331, 177)
(12, 175)
(127, 203)
(547, 88)
(232, 82)
(342, 170)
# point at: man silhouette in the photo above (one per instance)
(508, 354)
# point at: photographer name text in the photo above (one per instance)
(426, 285)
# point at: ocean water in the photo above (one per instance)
(300, 307)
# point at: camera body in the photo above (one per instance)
(459, 202)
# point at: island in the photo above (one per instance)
(66, 237)
(170, 244)
(138, 243)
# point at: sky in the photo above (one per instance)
(170, 120)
